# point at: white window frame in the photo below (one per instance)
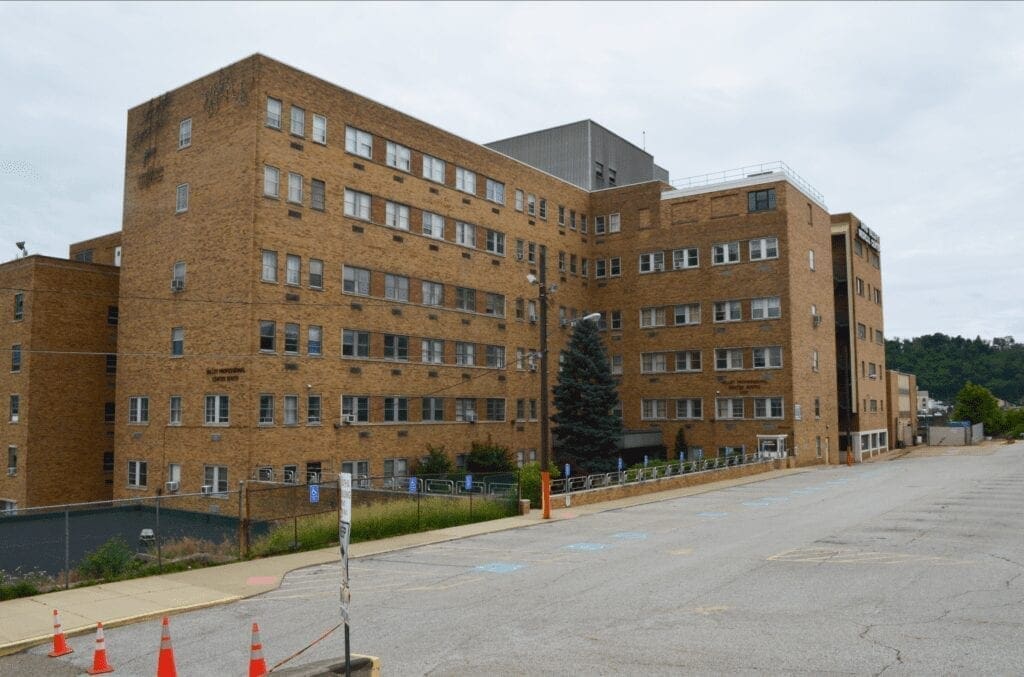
(465, 234)
(653, 363)
(185, 133)
(268, 272)
(465, 180)
(433, 168)
(766, 308)
(297, 121)
(294, 188)
(399, 157)
(433, 225)
(216, 476)
(314, 340)
(728, 311)
(432, 351)
(138, 410)
(316, 274)
(725, 253)
(689, 312)
(614, 223)
(293, 269)
(274, 113)
(690, 408)
(652, 262)
(396, 287)
(653, 316)
(687, 257)
(763, 248)
(494, 241)
(319, 129)
(495, 191)
(355, 280)
(520, 200)
(138, 473)
(271, 181)
(357, 204)
(653, 409)
(432, 293)
(181, 198)
(688, 361)
(730, 408)
(217, 410)
(728, 359)
(769, 357)
(396, 215)
(358, 142)
(769, 408)
(360, 343)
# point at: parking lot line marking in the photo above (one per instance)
(712, 514)
(587, 547)
(499, 567)
(630, 535)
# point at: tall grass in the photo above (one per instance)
(377, 520)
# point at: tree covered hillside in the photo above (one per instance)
(943, 364)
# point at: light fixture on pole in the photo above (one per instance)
(545, 455)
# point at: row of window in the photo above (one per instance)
(866, 290)
(759, 249)
(726, 359)
(865, 333)
(764, 308)
(215, 477)
(725, 408)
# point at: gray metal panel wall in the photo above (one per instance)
(631, 164)
(561, 151)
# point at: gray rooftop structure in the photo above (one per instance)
(583, 153)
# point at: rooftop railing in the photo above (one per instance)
(764, 169)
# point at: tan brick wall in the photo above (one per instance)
(102, 249)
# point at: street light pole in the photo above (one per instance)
(545, 450)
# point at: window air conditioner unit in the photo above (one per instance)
(177, 285)
(11, 472)
(313, 478)
(564, 322)
(289, 476)
(206, 489)
(816, 320)
(533, 318)
(348, 419)
(470, 417)
(519, 257)
(171, 486)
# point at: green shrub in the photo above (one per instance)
(111, 561)
(488, 457)
(16, 589)
(529, 482)
(436, 463)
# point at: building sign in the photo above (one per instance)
(224, 374)
(869, 236)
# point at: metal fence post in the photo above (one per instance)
(67, 549)
(159, 556)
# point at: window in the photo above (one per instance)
(358, 142)
(876, 295)
(177, 341)
(531, 204)
(137, 473)
(291, 409)
(653, 363)
(465, 234)
(653, 409)
(112, 314)
(357, 205)
(494, 304)
(16, 357)
(396, 287)
(599, 225)
(600, 268)
(313, 410)
(355, 280)
(860, 286)
(519, 200)
(269, 271)
(295, 187)
(433, 225)
(767, 407)
(814, 360)
(496, 191)
(266, 409)
(765, 248)
(495, 356)
(494, 409)
(729, 407)
(810, 259)
(396, 410)
(652, 262)
(316, 274)
(685, 258)
(396, 347)
(138, 409)
(216, 477)
(111, 364)
(862, 331)
(399, 157)
(178, 276)
(531, 252)
(728, 359)
(357, 407)
(298, 121)
(271, 181)
(611, 176)
(433, 351)
(872, 370)
(561, 262)
(15, 408)
(181, 199)
(728, 311)
(688, 313)
(292, 269)
(572, 219)
(465, 298)
(185, 133)
(561, 215)
(291, 338)
(542, 209)
(465, 353)
(273, 113)
(465, 180)
(217, 410)
(495, 242)
(688, 360)
(614, 267)
(319, 129)
(767, 308)
(690, 408)
(108, 412)
(614, 223)
(817, 407)
(652, 317)
(396, 215)
(19, 306)
(616, 362)
(433, 169)
(268, 336)
(433, 293)
(761, 200)
(314, 340)
(465, 409)
(355, 343)
(768, 358)
(433, 409)
(726, 252)
(584, 267)
(879, 338)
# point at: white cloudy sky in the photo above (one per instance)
(909, 115)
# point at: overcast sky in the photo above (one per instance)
(909, 115)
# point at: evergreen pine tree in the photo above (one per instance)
(586, 430)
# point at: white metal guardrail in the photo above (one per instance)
(564, 485)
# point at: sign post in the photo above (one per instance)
(344, 530)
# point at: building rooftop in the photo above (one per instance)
(745, 176)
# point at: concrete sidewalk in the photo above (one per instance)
(28, 621)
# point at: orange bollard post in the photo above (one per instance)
(257, 665)
(165, 663)
(99, 657)
(545, 493)
(60, 645)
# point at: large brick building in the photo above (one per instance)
(314, 282)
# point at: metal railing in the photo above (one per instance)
(750, 171)
(636, 475)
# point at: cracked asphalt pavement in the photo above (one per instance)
(910, 566)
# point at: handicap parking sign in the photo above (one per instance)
(314, 493)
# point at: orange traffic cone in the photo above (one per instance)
(99, 657)
(60, 646)
(257, 666)
(165, 663)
